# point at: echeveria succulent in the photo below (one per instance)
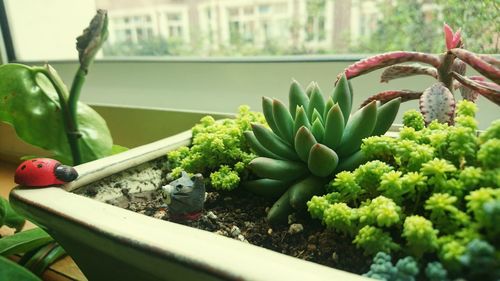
(309, 142)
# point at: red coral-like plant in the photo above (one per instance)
(436, 102)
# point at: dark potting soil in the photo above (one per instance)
(241, 215)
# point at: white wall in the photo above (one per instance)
(37, 31)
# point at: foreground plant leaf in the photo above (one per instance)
(44, 257)
(23, 242)
(9, 217)
(13, 271)
(29, 103)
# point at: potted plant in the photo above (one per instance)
(312, 144)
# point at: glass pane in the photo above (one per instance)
(254, 28)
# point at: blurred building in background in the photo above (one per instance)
(215, 25)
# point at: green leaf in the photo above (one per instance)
(116, 148)
(301, 119)
(322, 160)
(9, 217)
(317, 101)
(284, 121)
(44, 257)
(30, 104)
(304, 140)
(12, 271)
(24, 241)
(297, 97)
(343, 96)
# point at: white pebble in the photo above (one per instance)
(295, 228)
(211, 215)
(235, 231)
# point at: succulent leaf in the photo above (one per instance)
(467, 93)
(359, 126)
(317, 115)
(391, 58)
(489, 90)
(273, 143)
(334, 127)
(322, 160)
(318, 130)
(302, 191)
(452, 40)
(283, 120)
(304, 140)
(281, 209)
(351, 91)
(400, 71)
(352, 161)
(329, 104)
(459, 67)
(297, 97)
(278, 169)
(267, 109)
(301, 119)
(316, 102)
(310, 89)
(483, 67)
(386, 114)
(491, 60)
(437, 103)
(258, 148)
(343, 97)
(267, 188)
(405, 95)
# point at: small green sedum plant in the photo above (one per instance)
(219, 150)
(429, 193)
(309, 142)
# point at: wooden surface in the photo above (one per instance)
(64, 269)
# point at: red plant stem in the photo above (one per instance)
(444, 71)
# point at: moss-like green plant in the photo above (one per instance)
(219, 150)
(437, 190)
(310, 141)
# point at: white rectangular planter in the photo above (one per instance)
(110, 243)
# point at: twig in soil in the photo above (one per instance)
(283, 237)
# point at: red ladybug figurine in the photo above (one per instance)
(41, 172)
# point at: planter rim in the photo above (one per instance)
(215, 255)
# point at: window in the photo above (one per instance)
(204, 28)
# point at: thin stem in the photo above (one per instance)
(444, 71)
(70, 123)
(74, 93)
